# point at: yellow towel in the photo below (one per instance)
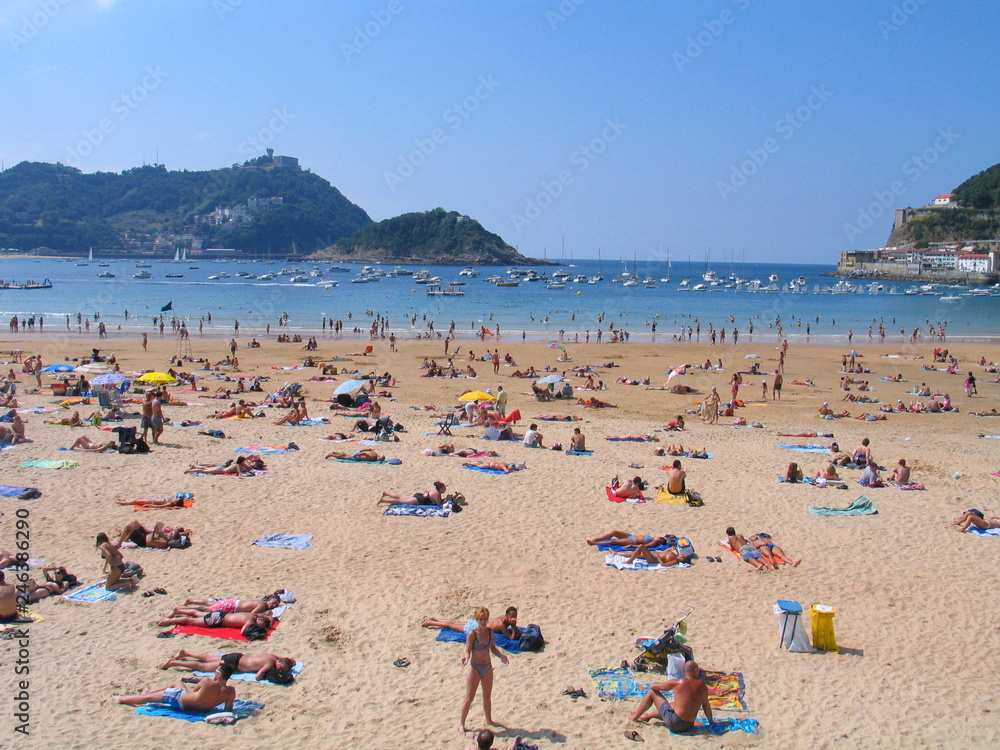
(665, 497)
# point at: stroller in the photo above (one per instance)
(673, 641)
(129, 442)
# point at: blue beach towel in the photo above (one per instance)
(579, 453)
(95, 592)
(242, 709)
(607, 547)
(311, 422)
(502, 641)
(489, 471)
(285, 541)
(7, 490)
(422, 511)
(984, 532)
(862, 506)
(261, 449)
(251, 676)
(721, 726)
(804, 480)
(618, 561)
(806, 448)
(352, 461)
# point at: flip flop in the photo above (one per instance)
(159, 591)
(147, 594)
(402, 663)
(631, 734)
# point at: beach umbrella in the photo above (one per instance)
(156, 377)
(58, 368)
(555, 346)
(477, 396)
(553, 378)
(347, 386)
(95, 368)
(108, 378)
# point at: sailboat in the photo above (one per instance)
(597, 277)
(90, 257)
(177, 255)
(666, 278)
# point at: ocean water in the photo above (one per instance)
(530, 309)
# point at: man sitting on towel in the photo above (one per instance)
(690, 694)
(205, 696)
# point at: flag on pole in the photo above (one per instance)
(168, 306)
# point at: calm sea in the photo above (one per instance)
(530, 307)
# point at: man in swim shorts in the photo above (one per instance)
(208, 694)
(746, 550)
(264, 666)
(690, 694)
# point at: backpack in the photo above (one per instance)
(531, 638)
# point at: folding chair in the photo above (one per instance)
(444, 427)
(104, 399)
(115, 397)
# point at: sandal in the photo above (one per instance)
(631, 734)
(147, 594)
(159, 591)
(402, 663)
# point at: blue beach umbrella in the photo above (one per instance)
(110, 378)
(58, 368)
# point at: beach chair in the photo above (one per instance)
(115, 397)
(104, 399)
(445, 425)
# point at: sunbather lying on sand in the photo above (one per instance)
(158, 537)
(269, 667)
(665, 557)
(84, 443)
(869, 417)
(505, 625)
(154, 502)
(448, 449)
(806, 434)
(629, 488)
(595, 403)
(71, 421)
(206, 695)
(236, 410)
(434, 497)
(975, 518)
(641, 438)
(506, 468)
(747, 551)
(57, 582)
(240, 466)
(366, 454)
(771, 551)
(558, 418)
(625, 539)
(198, 607)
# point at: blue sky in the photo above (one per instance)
(781, 130)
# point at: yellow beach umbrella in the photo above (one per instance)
(477, 396)
(156, 377)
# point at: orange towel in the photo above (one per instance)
(140, 504)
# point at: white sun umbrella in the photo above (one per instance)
(553, 378)
(95, 368)
(108, 378)
(348, 385)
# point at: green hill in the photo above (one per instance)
(981, 191)
(60, 207)
(436, 236)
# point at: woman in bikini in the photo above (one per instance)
(366, 454)
(57, 582)
(158, 537)
(478, 647)
(625, 539)
(794, 473)
(975, 518)
(506, 468)
(154, 502)
(434, 497)
(240, 466)
(114, 564)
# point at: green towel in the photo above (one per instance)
(860, 507)
(39, 464)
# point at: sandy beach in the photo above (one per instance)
(916, 599)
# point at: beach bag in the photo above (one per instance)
(694, 500)
(132, 569)
(531, 638)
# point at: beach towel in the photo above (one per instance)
(695, 454)
(34, 562)
(618, 561)
(312, 422)
(725, 545)
(663, 496)
(140, 504)
(910, 486)
(422, 511)
(890, 380)
(95, 592)
(990, 436)
(502, 641)
(862, 506)
(721, 726)
(285, 541)
(615, 499)
(984, 532)
(995, 473)
(7, 490)
(252, 676)
(611, 547)
(579, 453)
(355, 461)
(242, 709)
(806, 448)
(804, 480)
(40, 464)
(253, 473)
(227, 634)
(488, 471)
(631, 440)
(262, 449)
(725, 689)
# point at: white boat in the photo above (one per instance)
(266, 277)
(699, 288)
(299, 279)
(686, 284)
(492, 279)
(316, 273)
(580, 279)
(508, 282)
(709, 277)
(469, 271)
(950, 298)
(560, 275)
(90, 257)
(327, 284)
(142, 264)
(142, 275)
(435, 290)
(175, 276)
(107, 275)
(773, 278)
(553, 284)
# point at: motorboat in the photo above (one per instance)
(553, 284)
(469, 271)
(435, 290)
(709, 277)
(508, 282)
(686, 284)
(46, 284)
(699, 288)
(266, 277)
(175, 276)
(581, 279)
(299, 279)
(773, 278)
(142, 264)
(144, 274)
(107, 275)
(341, 269)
